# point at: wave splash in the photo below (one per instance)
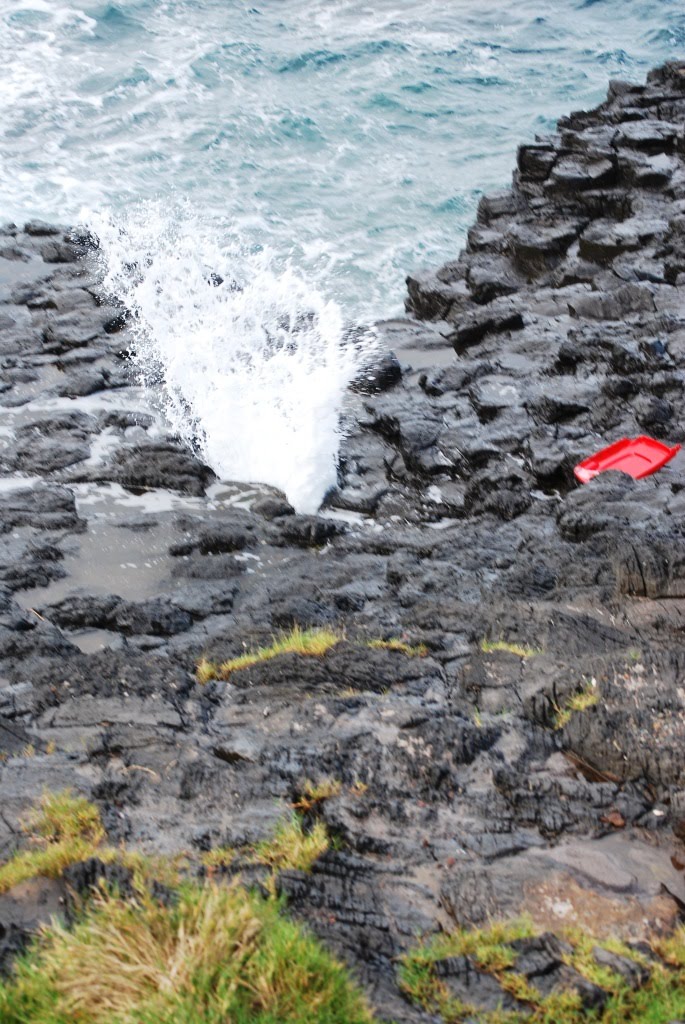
(250, 362)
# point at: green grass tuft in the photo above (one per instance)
(62, 815)
(218, 857)
(48, 863)
(520, 650)
(290, 847)
(206, 671)
(315, 793)
(305, 642)
(417, 651)
(62, 830)
(587, 697)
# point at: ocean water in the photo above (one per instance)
(329, 146)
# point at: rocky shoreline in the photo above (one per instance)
(530, 760)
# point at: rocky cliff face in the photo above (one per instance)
(532, 758)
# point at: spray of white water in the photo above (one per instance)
(251, 370)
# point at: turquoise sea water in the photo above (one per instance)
(352, 138)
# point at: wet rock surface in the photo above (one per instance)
(474, 782)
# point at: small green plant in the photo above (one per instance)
(218, 857)
(290, 847)
(585, 698)
(417, 651)
(305, 642)
(62, 830)
(520, 650)
(63, 815)
(206, 671)
(672, 947)
(314, 793)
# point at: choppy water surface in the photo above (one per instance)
(337, 143)
(354, 135)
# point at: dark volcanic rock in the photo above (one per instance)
(379, 376)
(13, 941)
(43, 508)
(153, 464)
(161, 465)
(308, 531)
(44, 455)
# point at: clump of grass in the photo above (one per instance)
(305, 642)
(520, 650)
(218, 954)
(417, 651)
(586, 697)
(145, 868)
(219, 857)
(63, 815)
(290, 847)
(660, 999)
(63, 829)
(206, 671)
(314, 793)
(672, 948)
(49, 862)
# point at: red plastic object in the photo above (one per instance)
(637, 456)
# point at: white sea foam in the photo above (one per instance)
(252, 371)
